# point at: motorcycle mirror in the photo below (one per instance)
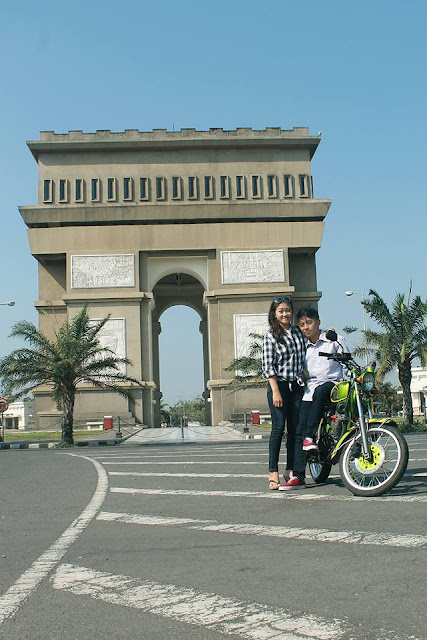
(331, 335)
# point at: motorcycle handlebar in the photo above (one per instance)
(340, 357)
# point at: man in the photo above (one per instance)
(323, 374)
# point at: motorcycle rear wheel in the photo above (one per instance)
(390, 459)
(319, 471)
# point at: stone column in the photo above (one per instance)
(203, 328)
(147, 360)
(156, 330)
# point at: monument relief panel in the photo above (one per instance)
(102, 271)
(113, 336)
(244, 325)
(240, 267)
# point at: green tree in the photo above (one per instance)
(248, 369)
(193, 409)
(402, 340)
(388, 398)
(74, 356)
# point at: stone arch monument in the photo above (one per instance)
(135, 222)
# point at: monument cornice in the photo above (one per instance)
(159, 139)
(111, 214)
(260, 292)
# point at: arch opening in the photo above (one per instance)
(180, 354)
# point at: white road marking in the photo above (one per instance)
(192, 462)
(312, 534)
(229, 616)
(271, 495)
(164, 474)
(419, 475)
(15, 596)
(196, 455)
(155, 474)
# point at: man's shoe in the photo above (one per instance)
(293, 483)
(309, 445)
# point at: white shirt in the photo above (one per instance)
(319, 368)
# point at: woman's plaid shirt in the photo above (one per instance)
(285, 358)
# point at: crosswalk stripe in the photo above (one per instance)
(228, 616)
(165, 474)
(206, 462)
(197, 455)
(316, 535)
(148, 474)
(192, 462)
(271, 495)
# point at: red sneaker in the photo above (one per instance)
(293, 483)
(309, 445)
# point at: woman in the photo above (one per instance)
(283, 364)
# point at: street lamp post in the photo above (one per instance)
(10, 303)
(362, 299)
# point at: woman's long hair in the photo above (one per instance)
(275, 327)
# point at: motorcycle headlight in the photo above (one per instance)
(368, 381)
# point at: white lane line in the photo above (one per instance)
(229, 616)
(235, 462)
(154, 474)
(419, 475)
(15, 596)
(200, 455)
(271, 495)
(192, 462)
(316, 535)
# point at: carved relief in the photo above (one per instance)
(252, 266)
(244, 325)
(103, 271)
(113, 336)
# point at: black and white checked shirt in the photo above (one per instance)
(285, 358)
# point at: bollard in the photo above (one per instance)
(245, 423)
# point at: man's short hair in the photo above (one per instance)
(308, 312)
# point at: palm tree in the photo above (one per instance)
(74, 356)
(403, 339)
(388, 398)
(248, 368)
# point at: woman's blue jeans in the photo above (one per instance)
(280, 416)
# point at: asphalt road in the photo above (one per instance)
(168, 541)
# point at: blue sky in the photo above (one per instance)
(355, 71)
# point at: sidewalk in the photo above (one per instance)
(143, 436)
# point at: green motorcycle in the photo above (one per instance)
(372, 453)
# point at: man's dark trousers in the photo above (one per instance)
(309, 418)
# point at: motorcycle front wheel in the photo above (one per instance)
(374, 477)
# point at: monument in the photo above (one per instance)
(136, 222)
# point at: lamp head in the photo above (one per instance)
(348, 293)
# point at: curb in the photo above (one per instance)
(112, 442)
(53, 445)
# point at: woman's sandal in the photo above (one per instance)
(273, 485)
